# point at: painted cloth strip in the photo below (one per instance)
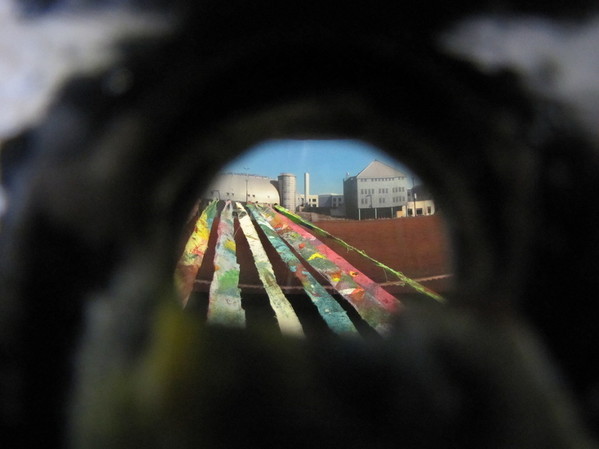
(378, 313)
(286, 317)
(224, 304)
(411, 282)
(380, 295)
(191, 260)
(329, 309)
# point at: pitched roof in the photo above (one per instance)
(378, 169)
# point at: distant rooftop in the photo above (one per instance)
(245, 174)
(378, 169)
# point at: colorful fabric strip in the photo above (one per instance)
(224, 306)
(329, 309)
(286, 317)
(191, 260)
(411, 282)
(378, 312)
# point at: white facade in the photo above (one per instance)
(313, 200)
(377, 191)
(332, 200)
(381, 186)
(425, 207)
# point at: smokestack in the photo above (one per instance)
(306, 188)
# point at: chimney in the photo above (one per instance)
(306, 188)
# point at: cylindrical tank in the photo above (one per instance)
(287, 190)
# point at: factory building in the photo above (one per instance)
(333, 200)
(332, 204)
(302, 204)
(243, 188)
(378, 191)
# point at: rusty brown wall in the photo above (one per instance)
(417, 246)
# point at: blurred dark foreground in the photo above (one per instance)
(95, 351)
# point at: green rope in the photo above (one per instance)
(411, 282)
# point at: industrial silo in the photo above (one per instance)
(287, 190)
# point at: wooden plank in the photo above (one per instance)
(224, 303)
(376, 306)
(191, 260)
(329, 309)
(286, 316)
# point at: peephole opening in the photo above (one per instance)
(314, 237)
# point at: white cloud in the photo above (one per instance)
(37, 55)
(559, 60)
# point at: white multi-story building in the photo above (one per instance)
(378, 191)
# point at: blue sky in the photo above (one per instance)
(327, 161)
